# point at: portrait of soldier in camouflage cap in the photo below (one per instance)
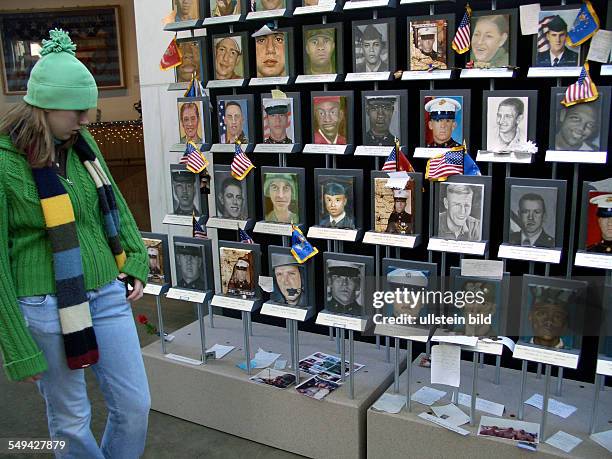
(320, 47)
(428, 44)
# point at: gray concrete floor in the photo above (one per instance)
(23, 410)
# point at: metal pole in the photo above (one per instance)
(521, 407)
(497, 369)
(545, 402)
(291, 342)
(331, 333)
(539, 371)
(474, 388)
(408, 374)
(351, 364)
(160, 324)
(202, 331)
(337, 340)
(592, 422)
(378, 287)
(396, 376)
(247, 341)
(296, 352)
(250, 325)
(342, 355)
(211, 315)
(430, 229)
(559, 391)
(387, 339)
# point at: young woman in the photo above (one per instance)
(68, 245)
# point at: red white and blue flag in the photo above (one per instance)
(244, 237)
(241, 165)
(462, 40)
(441, 167)
(199, 230)
(583, 90)
(193, 158)
(397, 160)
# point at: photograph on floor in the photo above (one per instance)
(274, 378)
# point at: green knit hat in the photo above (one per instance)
(59, 81)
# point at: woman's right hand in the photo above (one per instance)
(32, 379)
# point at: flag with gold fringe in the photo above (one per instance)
(440, 167)
(585, 25)
(241, 165)
(193, 158)
(583, 90)
(301, 249)
(172, 56)
(462, 40)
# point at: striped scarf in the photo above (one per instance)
(75, 318)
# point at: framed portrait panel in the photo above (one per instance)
(373, 44)
(194, 120)
(332, 117)
(552, 312)
(580, 127)
(413, 276)
(494, 38)
(269, 5)
(193, 263)
(240, 267)
(235, 117)
(274, 54)
(292, 282)
(462, 208)
(596, 219)
(348, 289)
(230, 52)
(605, 334)
(192, 50)
(385, 117)
(220, 8)
(158, 253)
(490, 308)
(337, 194)
(323, 49)
(429, 43)
(509, 119)
(534, 212)
(185, 191)
(234, 198)
(280, 125)
(396, 211)
(549, 45)
(283, 194)
(445, 118)
(185, 13)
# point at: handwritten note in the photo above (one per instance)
(445, 364)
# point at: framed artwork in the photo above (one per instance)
(95, 30)
(494, 37)
(411, 276)
(489, 309)
(274, 54)
(509, 119)
(337, 193)
(240, 268)
(292, 282)
(185, 11)
(194, 120)
(549, 45)
(444, 119)
(192, 50)
(535, 212)
(347, 283)
(463, 208)
(235, 118)
(580, 127)
(332, 117)
(596, 219)
(385, 117)
(186, 197)
(269, 5)
(396, 211)
(552, 312)
(283, 190)
(230, 56)
(373, 45)
(429, 46)
(322, 49)
(280, 125)
(193, 263)
(226, 7)
(233, 197)
(159, 258)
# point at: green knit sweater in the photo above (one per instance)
(26, 260)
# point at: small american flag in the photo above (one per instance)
(222, 127)
(461, 41)
(445, 165)
(391, 162)
(583, 90)
(241, 165)
(397, 161)
(199, 231)
(244, 237)
(543, 44)
(193, 158)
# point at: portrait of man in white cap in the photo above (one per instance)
(400, 221)
(411, 280)
(604, 224)
(345, 281)
(428, 44)
(442, 122)
(228, 58)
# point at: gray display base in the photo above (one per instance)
(219, 395)
(392, 435)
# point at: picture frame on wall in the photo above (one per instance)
(348, 288)
(234, 200)
(385, 118)
(235, 121)
(230, 59)
(267, 9)
(194, 121)
(185, 191)
(322, 49)
(193, 263)
(429, 42)
(494, 38)
(337, 194)
(281, 124)
(274, 56)
(193, 62)
(332, 125)
(595, 234)
(95, 30)
(373, 50)
(240, 267)
(284, 195)
(158, 254)
(293, 284)
(550, 41)
(225, 12)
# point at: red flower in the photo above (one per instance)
(142, 319)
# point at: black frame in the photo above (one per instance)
(203, 67)
(207, 260)
(532, 111)
(256, 250)
(357, 174)
(560, 185)
(339, 43)
(348, 116)
(569, 26)
(250, 191)
(301, 201)
(403, 112)
(290, 54)
(249, 118)
(295, 119)
(308, 277)
(450, 29)
(206, 119)
(166, 256)
(465, 108)
(391, 50)
(197, 194)
(584, 214)
(417, 177)
(244, 46)
(512, 32)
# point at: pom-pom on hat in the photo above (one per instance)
(59, 81)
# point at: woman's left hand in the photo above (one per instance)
(137, 291)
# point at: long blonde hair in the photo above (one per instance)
(28, 128)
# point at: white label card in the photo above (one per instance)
(517, 252)
(530, 18)
(222, 19)
(546, 356)
(555, 407)
(322, 7)
(323, 78)
(487, 73)
(563, 441)
(225, 148)
(367, 150)
(486, 406)
(600, 46)
(224, 223)
(368, 76)
(451, 413)
(593, 260)
(268, 81)
(582, 157)
(553, 72)
(512, 157)
(278, 229)
(486, 346)
(237, 304)
(325, 149)
(394, 240)
(337, 321)
(427, 153)
(604, 367)
(284, 312)
(238, 82)
(180, 220)
(153, 289)
(186, 295)
(444, 423)
(482, 268)
(355, 5)
(448, 245)
(274, 148)
(427, 395)
(183, 359)
(319, 232)
(265, 14)
(425, 75)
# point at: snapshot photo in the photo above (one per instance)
(428, 44)
(278, 120)
(238, 276)
(191, 121)
(326, 366)
(281, 197)
(185, 190)
(225, 7)
(578, 127)
(228, 58)
(320, 50)
(274, 378)
(233, 116)
(192, 56)
(156, 254)
(335, 195)
(382, 120)
(550, 42)
(289, 280)
(330, 120)
(507, 123)
(190, 263)
(490, 42)
(272, 54)
(372, 46)
(443, 121)
(346, 285)
(231, 195)
(317, 388)
(460, 214)
(394, 208)
(509, 429)
(533, 219)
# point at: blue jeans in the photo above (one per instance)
(120, 373)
